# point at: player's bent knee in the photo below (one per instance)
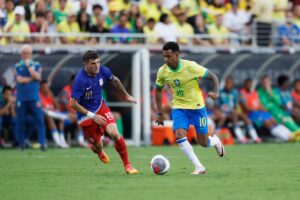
(113, 132)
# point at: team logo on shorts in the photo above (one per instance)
(100, 81)
(176, 82)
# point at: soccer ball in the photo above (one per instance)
(159, 164)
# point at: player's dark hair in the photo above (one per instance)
(44, 81)
(264, 76)
(229, 77)
(173, 46)
(6, 87)
(247, 80)
(90, 55)
(282, 79)
(72, 77)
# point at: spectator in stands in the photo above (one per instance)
(263, 12)
(97, 11)
(133, 15)
(191, 8)
(270, 99)
(150, 32)
(7, 111)
(280, 8)
(139, 28)
(235, 21)
(39, 26)
(214, 8)
(121, 28)
(83, 4)
(200, 28)
(286, 98)
(112, 18)
(99, 27)
(296, 19)
(28, 76)
(40, 7)
(69, 25)
(19, 25)
(183, 28)
(2, 17)
(49, 104)
(228, 103)
(289, 32)
(64, 106)
(250, 104)
(83, 20)
(165, 29)
(152, 9)
(218, 32)
(51, 26)
(10, 15)
(61, 11)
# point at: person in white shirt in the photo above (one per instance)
(166, 30)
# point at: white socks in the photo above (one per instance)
(212, 141)
(281, 132)
(56, 138)
(188, 150)
(252, 132)
(239, 133)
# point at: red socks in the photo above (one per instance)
(122, 150)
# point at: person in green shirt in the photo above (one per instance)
(270, 98)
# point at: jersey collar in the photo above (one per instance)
(178, 67)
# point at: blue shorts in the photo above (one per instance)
(183, 118)
(259, 117)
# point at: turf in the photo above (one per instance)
(269, 171)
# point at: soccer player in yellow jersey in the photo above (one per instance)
(188, 106)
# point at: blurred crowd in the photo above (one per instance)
(207, 22)
(249, 113)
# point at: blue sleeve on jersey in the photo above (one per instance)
(78, 89)
(107, 73)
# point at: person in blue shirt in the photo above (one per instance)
(289, 32)
(228, 103)
(28, 76)
(94, 116)
(121, 28)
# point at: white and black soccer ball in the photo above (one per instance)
(160, 164)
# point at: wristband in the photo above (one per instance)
(159, 113)
(91, 115)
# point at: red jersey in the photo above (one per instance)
(296, 97)
(251, 99)
(47, 101)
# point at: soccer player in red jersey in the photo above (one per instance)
(94, 116)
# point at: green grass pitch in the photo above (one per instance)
(259, 172)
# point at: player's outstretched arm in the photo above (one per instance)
(78, 108)
(117, 84)
(158, 98)
(213, 77)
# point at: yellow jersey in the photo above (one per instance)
(183, 83)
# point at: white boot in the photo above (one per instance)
(63, 141)
(56, 139)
